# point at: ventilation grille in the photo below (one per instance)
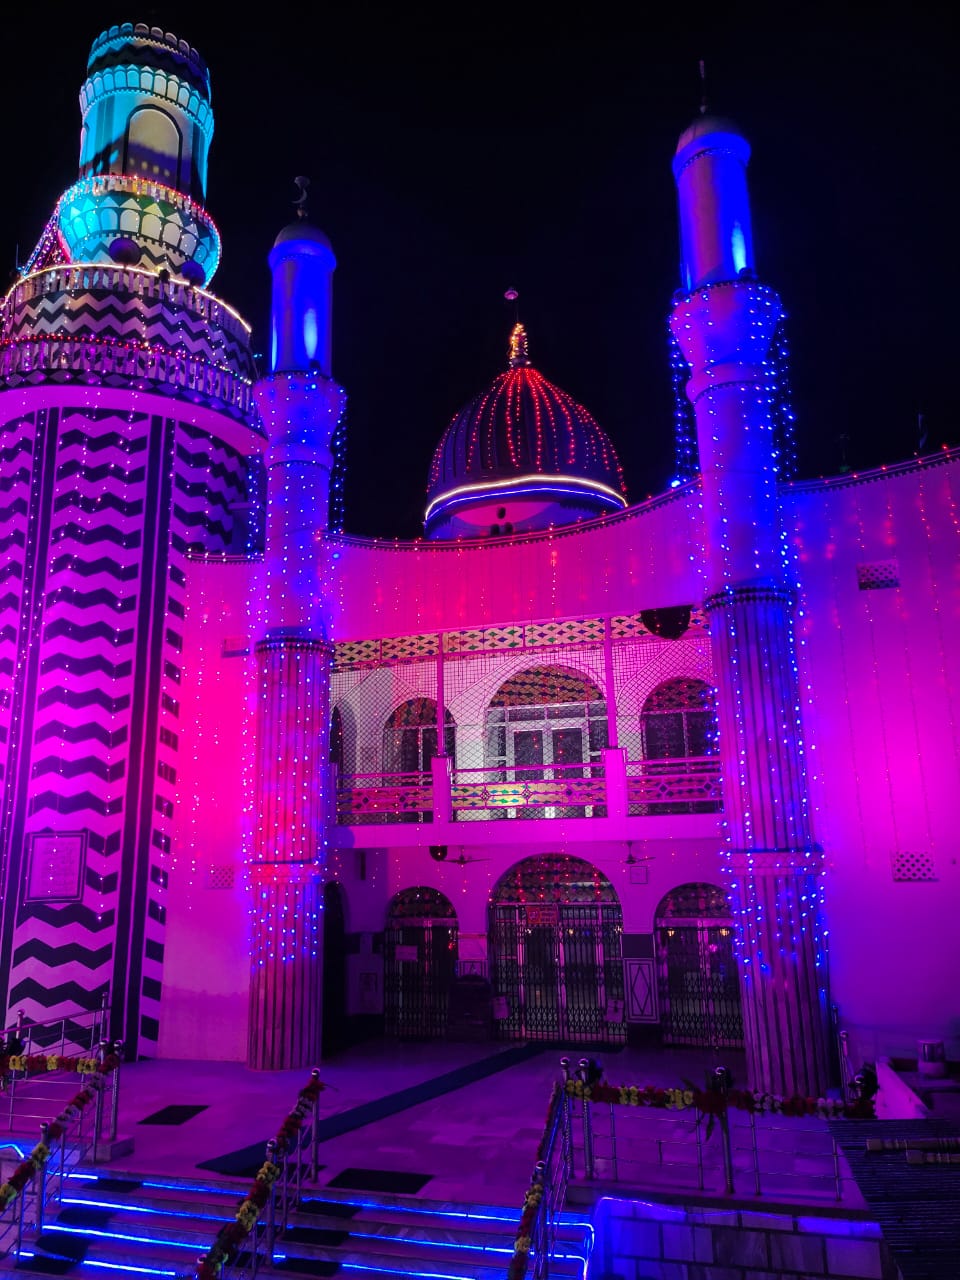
(912, 866)
(878, 576)
(220, 877)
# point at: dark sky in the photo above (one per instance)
(460, 150)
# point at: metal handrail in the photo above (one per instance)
(276, 1192)
(59, 1037)
(64, 1143)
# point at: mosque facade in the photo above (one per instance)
(566, 769)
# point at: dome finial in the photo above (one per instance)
(703, 87)
(519, 354)
(300, 204)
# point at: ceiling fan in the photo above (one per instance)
(439, 854)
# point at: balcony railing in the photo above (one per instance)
(529, 791)
(491, 793)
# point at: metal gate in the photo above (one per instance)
(697, 975)
(420, 962)
(557, 968)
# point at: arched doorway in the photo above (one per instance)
(334, 970)
(420, 962)
(697, 976)
(556, 956)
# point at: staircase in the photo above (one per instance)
(160, 1226)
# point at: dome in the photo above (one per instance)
(523, 455)
(304, 234)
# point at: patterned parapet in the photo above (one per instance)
(117, 326)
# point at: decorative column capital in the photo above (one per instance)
(762, 591)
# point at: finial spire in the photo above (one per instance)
(519, 354)
(703, 87)
(300, 204)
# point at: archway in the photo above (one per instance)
(334, 970)
(420, 962)
(556, 957)
(697, 978)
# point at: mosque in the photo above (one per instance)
(566, 768)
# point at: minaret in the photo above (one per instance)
(726, 324)
(127, 418)
(300, 406)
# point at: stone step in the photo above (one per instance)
(164, 1226)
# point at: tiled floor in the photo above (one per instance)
(477, 1143)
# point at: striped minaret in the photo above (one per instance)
(301, 406)
(726, 323)
(126, 424)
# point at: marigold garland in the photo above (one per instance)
(28, 1168)
(34, 1064)
(709, 1102)
(229, 1238)
(715, 1103)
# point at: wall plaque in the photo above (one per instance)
(55, 866)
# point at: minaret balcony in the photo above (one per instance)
(110, 325)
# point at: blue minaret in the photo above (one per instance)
(726, 323)
(300, 406)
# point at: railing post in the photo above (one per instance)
(115, 1090)
(584, 1073)
(41, 1191)
(539, 1240)
(271, 1224)
(315, 1138)
(98, 1100)
(567, 1104)
(718, 1081)
(100, 1028)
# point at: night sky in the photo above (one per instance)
(458, 151)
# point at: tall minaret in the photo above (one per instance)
(726, 324)
(126, 424)
(300, 406)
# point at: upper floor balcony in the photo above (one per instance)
(614, 798)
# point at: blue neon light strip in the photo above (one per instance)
(136, 1208)
(118, 1235)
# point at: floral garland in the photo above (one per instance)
(35, 1064)
(229, 1238)
(715, 1103)
(27, 1169)
(710, 1102)
(531, 1201)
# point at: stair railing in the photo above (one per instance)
(36, 1184)
(71, 1034)
(546, 1194)
(247, 1244)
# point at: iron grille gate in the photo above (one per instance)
(699, 986)
(420, 961)
(558, 972)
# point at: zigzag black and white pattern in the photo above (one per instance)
(210, 480)
(64, 953)
(16, 469)
(126, 317)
